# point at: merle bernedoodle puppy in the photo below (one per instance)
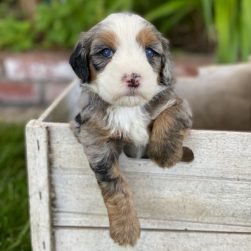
(128, 103)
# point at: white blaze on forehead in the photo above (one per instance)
(125, 25)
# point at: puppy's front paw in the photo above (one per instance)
(125, 230)
(166, 154)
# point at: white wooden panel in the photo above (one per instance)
(218, 154)
(161, 202)
(213, 193)
(39, 186)
(99, 240)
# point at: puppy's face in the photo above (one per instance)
(124, 59)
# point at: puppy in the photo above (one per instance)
(128, 103)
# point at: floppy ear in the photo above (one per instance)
(166, 72)
(79, 59)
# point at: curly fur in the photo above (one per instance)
(129, 104)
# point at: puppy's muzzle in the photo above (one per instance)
(132, 80)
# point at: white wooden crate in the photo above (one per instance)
(203, 205)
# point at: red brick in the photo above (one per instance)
(18, 92)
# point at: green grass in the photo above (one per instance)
(14, 218)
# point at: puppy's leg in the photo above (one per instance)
(124, 224)
(168, 132)
(103, 154)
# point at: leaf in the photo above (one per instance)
(207, 10)
(170, 8)
(245, 29)
(227, 30)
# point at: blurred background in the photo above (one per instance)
(36, 37)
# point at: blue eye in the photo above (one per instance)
(150, 53)
(107, 53)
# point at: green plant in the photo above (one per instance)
(8, 8)
(227, 21)
(232, 22)
(14, 223)
(174, 10)
(59, 23)
(16, 35)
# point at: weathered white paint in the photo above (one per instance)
(39, 186)
(98, 240)
(212, 193)
(218, 154)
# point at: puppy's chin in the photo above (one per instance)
(130, 101)
(123, 98)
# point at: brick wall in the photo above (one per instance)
(33, 78)
(36, 78)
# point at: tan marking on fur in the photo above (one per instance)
(124, 224)
(93, 73)
(115, 171)
(161, 124)
(109, 38)
(159, 79)
(146, 37)
(161, 150)
(166, 120)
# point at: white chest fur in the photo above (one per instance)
(131, 122)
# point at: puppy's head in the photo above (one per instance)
(124, 59)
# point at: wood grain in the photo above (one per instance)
(39, 186)
(98, 240)
(210, 194)
(218, 154)
(202, 205)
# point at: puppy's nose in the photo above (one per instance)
(132, 80)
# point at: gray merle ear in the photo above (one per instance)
(79, 59)
(166, 72)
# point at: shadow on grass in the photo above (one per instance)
(14, 218)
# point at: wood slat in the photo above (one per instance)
(218, 154)
(98, 240)
(213, 193)
(161, 202)
(39, 186)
